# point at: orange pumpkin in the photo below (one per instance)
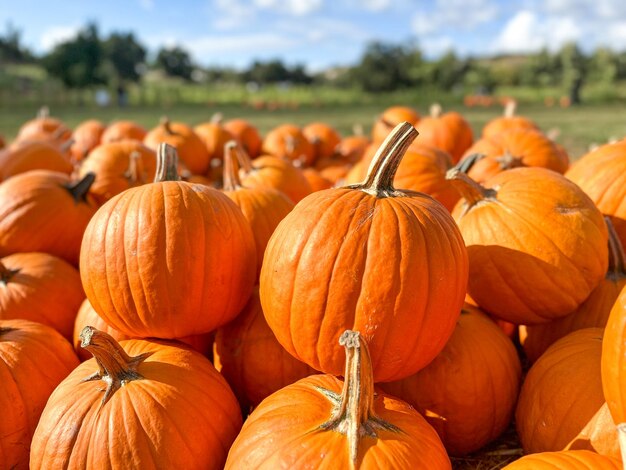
(323, 138)
(123, 130)
(537, 245)
(390, 118)
(190, 148)
(214, 136)
(34, 155)
(352, 148)
(507, 122)
(593, 312)
(449, 132)
(322, 422)
(614, 360)
(569, 459)
(562, 392)
(322, 272)
(132, 406)
(43, 127)
(287, 141)
(42, 288)
(316, 180)
(86, 137)
(601, 174)
(45, 211)
(190, 271)
(468, 393)
(599, 435)
(34, 359)
(246, 134)
(119, 166)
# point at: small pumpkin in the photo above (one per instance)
(287, 141)
(449, 132)
(352, 148)
(137, 404)
(390, 118)
(568, 459)
(123, 130)
(508, 121)
(246, 134)
(43, 127)
(86, 137)
(214, 136)
(537, 245)
(322, 272)
(35, 155)
(316, 180)
(322, 422)
(323, 138)
(34, 359)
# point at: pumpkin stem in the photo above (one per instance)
(217, 118)
(65, 146)
(290, 144)
(617, 258)
(466, 164)
(80, 189)
(510, 108)
(435, 110)
(135, 173)
(508, 161)
(244, 160)
(43, 112)
(357, 129)
(6, 274)
(167, 124)
(231, 167)
(167, 164)
(382, 170)
(116, 367)
(469, 189)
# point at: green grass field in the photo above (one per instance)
(579, 126)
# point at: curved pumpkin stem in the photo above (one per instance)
(167, 164)
(469, 189)
(135, 172)
(510, 108)
(115, 366)
(466, 164)
(6, 274)
(244, 160)
(217, 118)
(80, 189)
(231, 168)
(167, 124)
(435, 110)
(43, 112)
(382, 170)
(617, 258)
(65, 146)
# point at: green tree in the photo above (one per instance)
(603, 66)
(574, 66)
(383, 67)
(175, 61)
(449, 71)
(124, 56)
(11, 48)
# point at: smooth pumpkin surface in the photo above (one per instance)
(390, 118)
(323, 137)
(449, 132)
(33, 156)
(86, 136)
(508, 121)
(246, 134)
(123, 130)
(614, 360)
(214, 136)
(570, 460)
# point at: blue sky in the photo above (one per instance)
(322, 33)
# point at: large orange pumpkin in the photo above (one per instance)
(320, 422)
(123, 130)
(593, 312)
(287, 141)
(469, 391)
(252, 361)
(602, 175)
(371, 257)
(138, 404)
(569, 459)
(246, 134)
(45, 211)
(449, 132)
(507, 122)
(42, 288)
(169, 259)
(34, 359)
(537, 245)
(36, 155)
(561, 393)
(86, 137)
(390, 118)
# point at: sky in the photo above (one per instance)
(325, 33)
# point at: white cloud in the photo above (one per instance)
(464, 15)
(56, 35)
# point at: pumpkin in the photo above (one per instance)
(601, 175)
(287, 141)
(190, 148)
(86, 137)
(513, 149)
(390, 118)
(569, 459)
(614, 360)
(214, 136)
(593, 312)
(123, 130)
(119, 166)
(34, 359)
(352, 148)
(246, 134)
(599, 434)
(252, 361)
(262, 207)
(190, 271)
(323, 138)
(137, 404)
(316, 180)
(34, 155)
(322, 422)
(537, 245)
(45, 211)
(43, 127)
(323, 266)
(449, 132)
(469, 391)
(507, 122)
(561, 393)
(41, 288)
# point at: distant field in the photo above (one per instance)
(579, 126)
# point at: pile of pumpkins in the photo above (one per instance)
(206, 298)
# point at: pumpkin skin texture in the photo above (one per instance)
(324, 139)
(321, 272)
(171, 398)
(33, 156)
(251, 360)
(613, 360)
(119, 166)
(169, 259)
(214, 136)
(570, 460)
(287, 141)
(469, 391)
(562, 392)
(537, 245)
(321, 422)
(44, 211)
(449, 132)
(508, 122)
(601, 174)
(246, 134)
(593, 312)
(86, 136)
(43, 127)
(41, 288)
(34, 359)
(513, 149)
(123, 130)
(390, 118)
